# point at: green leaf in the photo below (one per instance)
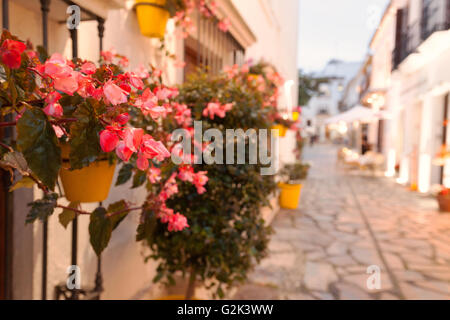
(25, 182)
(84, 142)
(43, 208)
(146, 229)
(100, 229)
(67, 215)
(116, 207)
(124, 174)
(17, 161)
(39, 145)
(139, 179)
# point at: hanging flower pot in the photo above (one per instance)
(295, 115)
(152, 17)
(290, 195)
(89, 184)
(281, 130)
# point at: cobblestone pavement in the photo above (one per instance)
(345, 223)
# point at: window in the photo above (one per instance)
(210, 47)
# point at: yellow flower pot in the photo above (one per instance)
(290, 195)
(152, 18)
(89, 184)
(295, 115)
(281, 130)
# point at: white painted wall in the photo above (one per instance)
(125, 273)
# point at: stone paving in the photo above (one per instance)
(346, 222)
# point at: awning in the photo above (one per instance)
(357, 113)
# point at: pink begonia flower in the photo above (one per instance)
(122, 118)
(142, 72)
(186, 174)
(200, 179)
(133, 138)
(142, 162)
(154, 175)
(245, 68)
(124, 62)
(216, 109)
(58, 131)
(108, 140)
(88, 68)
(67, 84)
(231, 71)
(153, 149)
(114, 94)
(157, 73)
(11, 51)
(53, 108)
(177, 222)
(108, 56)
(123, 152)
(135, 81)
(224, 24)
(57, 67)
(148, 103)
(170, 188)
(183, 115)
(162, 93)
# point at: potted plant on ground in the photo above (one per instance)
(443, 198)
(292, 175)
(227, 235)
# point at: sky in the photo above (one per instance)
(338, 29)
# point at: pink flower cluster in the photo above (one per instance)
(217, 109)
(198, 179)
(127, 141)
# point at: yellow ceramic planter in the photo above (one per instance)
(281, 130)
(290, 195)
(89, 184)
(152, 18)
(295, 115)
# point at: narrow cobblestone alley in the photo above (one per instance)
(345, 223)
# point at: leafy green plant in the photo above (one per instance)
(227, 234)
(294, 173)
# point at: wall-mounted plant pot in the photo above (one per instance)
(290, 195)
(89, 184)
(295, 115)
(444, 202)
(152, 17)
(281, 130)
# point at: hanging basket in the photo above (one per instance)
(152, 17)
(281, 130)
(290, 195)
(89, 184)
(295, 115)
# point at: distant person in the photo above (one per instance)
(365, 146)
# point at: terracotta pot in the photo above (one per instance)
(444, 202)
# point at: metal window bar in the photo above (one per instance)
(214, 48)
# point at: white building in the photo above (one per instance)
(326, 103)
(411, 82)
(259, 28)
